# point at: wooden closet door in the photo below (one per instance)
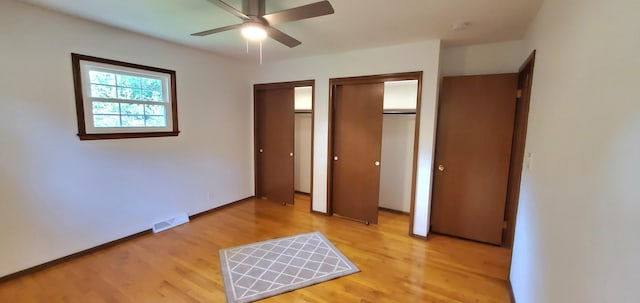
(357, 144)
(473, 151)
(275, 125)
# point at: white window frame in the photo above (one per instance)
(82, 65)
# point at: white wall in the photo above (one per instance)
(396, 167)
(422, 56)
(302, 165)
(480, 59)
(579, 213)
(61, 195)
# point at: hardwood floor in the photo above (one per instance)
(181, 264)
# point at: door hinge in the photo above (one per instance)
(519, 94)
(504, 225)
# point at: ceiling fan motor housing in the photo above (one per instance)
(253, 7)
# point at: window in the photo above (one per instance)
(122, 100)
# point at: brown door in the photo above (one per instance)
(357, 144)
(473, 150)
(274, 142)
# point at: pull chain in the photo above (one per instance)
(260, 52)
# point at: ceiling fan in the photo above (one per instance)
(257, 25)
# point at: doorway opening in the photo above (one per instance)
(398, 136)
(303, 137)
(283, 142)
(373, 129)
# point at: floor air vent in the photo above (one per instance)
(169, 223)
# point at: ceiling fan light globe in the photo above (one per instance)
(254, 32)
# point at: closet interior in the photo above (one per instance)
(302, 139)
(398, 136)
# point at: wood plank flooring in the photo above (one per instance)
(181, 264)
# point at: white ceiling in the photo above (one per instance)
(356, 24)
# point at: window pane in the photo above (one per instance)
(156, 121)
(128, 81)
(132, 121)
(129, 93)
(106, 121)
(156, 110)
(102, 78)
(106, 108)
(131, 109)
(102, 91)
(152, 84)
(148, 95)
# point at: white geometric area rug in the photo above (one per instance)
(264, 269)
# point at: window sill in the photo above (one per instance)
(127, 135)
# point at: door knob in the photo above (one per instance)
(290, 154)
(377, 163)
(441, 167)
(335, 158)
(260, 150)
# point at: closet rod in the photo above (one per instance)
(399, 112)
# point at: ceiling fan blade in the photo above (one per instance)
(230, 9)
(217, 30)
(282, 37)
(302, 12)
